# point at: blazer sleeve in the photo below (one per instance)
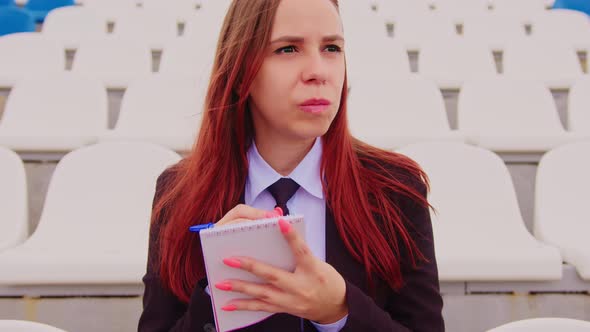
(162, 310)
(417, 306)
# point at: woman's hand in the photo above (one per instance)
(314, 291)
(243, 213)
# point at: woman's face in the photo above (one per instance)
(296, 94)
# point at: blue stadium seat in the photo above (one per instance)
(40, 8)
(14, 19)
(580, 5)
(4, 3)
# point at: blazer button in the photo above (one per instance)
(209, 328)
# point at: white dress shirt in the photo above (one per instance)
(308, 201)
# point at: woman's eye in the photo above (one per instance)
(286, 49)
(333, 48)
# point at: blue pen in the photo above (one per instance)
(198, 228)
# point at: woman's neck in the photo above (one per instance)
(283, 156)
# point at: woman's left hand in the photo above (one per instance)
(314, 291)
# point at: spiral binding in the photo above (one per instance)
(247, 227)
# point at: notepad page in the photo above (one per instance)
(261, 240)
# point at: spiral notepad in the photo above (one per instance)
(259, 239)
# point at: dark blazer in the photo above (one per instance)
(416, 306)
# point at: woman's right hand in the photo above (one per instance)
(244, 213)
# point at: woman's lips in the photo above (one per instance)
(314, 105)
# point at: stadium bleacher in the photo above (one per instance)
(491, 97)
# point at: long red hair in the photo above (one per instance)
(359, 179)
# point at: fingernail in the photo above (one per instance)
(225, 286)
(279, 211)
(269, 215)
(229, 307)
(232, 262)
(285, 226)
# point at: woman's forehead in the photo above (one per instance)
(306, 19)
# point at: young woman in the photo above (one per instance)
(274, 132)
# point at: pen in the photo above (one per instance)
(198, 228)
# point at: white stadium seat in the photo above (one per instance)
(415, 32)
(115, 61)
(478, 229)
(391, 10)
(524, 10)
(26, 54)
(549, 61)
(457, 10)
(451, 62)
(14, 222)
(95, 221)
(163, 110)
(54, 113)
(561, 200)
(545, 325)
(187, 57)
(182, 10)
(506, 115)
(70, 25)
(110, 8)
(493, 30)
(579, 107)
(374, 58)
(391, 112)
(145, 26)
(567, 26)
(26, 326)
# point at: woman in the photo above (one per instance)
(275, 120)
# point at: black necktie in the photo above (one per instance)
(282, 191)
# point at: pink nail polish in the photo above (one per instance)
(279, 211)
(224, 286)
(229, 307)
(284, 226)
(232, 262)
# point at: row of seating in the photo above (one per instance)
(105, 191)
(502, 114)
(118, 61)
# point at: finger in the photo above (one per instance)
(251, 305)
(243, 211)
(272, 275)
(300, 249)
(264, 292)
(230, 222)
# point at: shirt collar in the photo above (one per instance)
(307, 174)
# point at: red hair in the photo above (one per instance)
(359, 182)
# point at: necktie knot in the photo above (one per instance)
(282, 191)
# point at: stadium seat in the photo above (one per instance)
(493, 30)
(204, 28)
(60, 22)
(561, 200)
(453, 61)
(40, 8)
(147, 27)
(579, 5)
(478, 229)
(568, 26)
(115, 61)
(415, 32)
(544, 325)
(14, 222)
(391, 112)
(457, 10)
(579, 107)
(391, 10)
(506, 115)
(163, 110)
(374, 58)
(98, 193)
(14, 20)
(549, 61)
(54, 113)
(25, 326)
(359, 19)
(185, 57)
(110, 8)
(181, 10)
(523, 10)
(4, 3)
(29, 54)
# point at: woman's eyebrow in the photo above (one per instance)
(295, 39)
